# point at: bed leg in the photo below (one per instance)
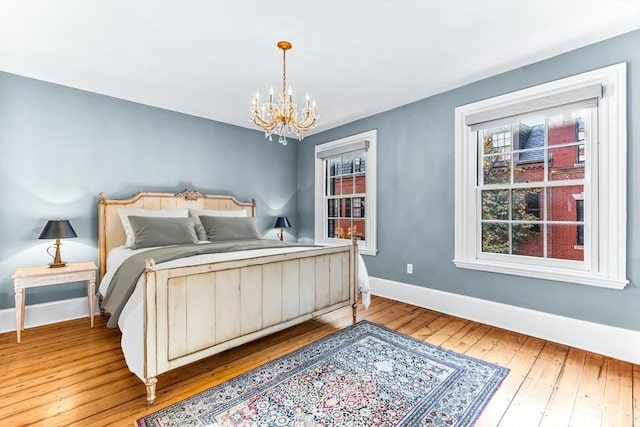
(150, 383)
(354, 308)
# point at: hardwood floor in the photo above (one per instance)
(67, 374)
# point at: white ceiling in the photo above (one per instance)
(357, 58)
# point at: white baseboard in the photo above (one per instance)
(46, 313)
(623, 344)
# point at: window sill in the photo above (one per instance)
(538, 272)
(367, 251)
(361, 250)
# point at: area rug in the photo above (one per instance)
(363, 375)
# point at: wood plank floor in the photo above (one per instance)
(67, 374)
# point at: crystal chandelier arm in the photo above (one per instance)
(303, 127)
(267, 126)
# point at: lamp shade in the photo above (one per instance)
(282, 222)
(57, 229)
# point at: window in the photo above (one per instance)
(541, 181)
(345, 202)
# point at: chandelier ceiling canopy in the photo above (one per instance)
(283, 117)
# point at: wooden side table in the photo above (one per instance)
(31, 277)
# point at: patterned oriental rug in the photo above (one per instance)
(363, 375)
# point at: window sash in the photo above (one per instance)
(589, 223)
(337, 198)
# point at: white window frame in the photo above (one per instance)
(606, 231)
(369, 245)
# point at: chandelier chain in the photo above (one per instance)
(284, 72)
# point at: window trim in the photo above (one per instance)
(609, 237)
(369, 246)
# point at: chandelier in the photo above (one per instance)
(282, 117)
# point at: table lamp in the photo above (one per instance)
(282, 222)
(57, 229)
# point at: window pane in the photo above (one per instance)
(333, 167)
(495, 204)
(580, 154)
(344, 229)
(360, 184)
(334, 186)
(333, 208)
(331, 228)
(527, 240)
(347, 164)
(497, 140)
(529, 171)
(496, 169)
(563, 201)
(347, 185)
(495, 238)
(527, 204)
(529, 159)
(561, 242)
(357, 207)
(563, 164)
(360, 162)
(580, 217)
(358, 229)
(566, 127)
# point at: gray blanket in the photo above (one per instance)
(125, 279)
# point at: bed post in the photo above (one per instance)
(150, 341)
(354, 257)
(102, 244)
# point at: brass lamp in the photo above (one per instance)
(57, 229)
(282, 222)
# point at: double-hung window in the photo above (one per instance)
(541, 181)
(345, 191)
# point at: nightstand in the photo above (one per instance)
(32, 277)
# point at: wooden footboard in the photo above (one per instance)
(197, 311)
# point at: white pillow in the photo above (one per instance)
(128, 231)
(200, 231)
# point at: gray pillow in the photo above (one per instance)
(221, 229)
(151, 231)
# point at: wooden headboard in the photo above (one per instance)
(110, 231)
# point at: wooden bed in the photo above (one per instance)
(196, 311)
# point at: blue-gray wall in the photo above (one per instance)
(60, 147)
(416, 201)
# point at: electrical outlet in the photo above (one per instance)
(410, 268)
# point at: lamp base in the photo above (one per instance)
(57, 259)
(57, 264)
